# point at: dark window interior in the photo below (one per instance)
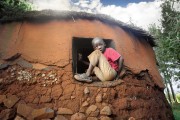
(84, 46)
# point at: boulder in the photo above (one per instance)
(92, 111)
(7, 114)
(60, 117)
(106, 111)
(78, 116)
(11, 101)
(92, 118)
(43, 113)
(64, 111)
(99, 98)
(24, 110)
(18, 118)
(105, 118)
(2, 98)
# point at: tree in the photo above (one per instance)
(168, 41)
(13, 7)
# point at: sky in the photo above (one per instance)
(141, 13)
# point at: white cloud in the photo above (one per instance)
(140, 14)
(52, 4)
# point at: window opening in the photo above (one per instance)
(84, 46)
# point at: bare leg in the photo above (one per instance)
(89, 70)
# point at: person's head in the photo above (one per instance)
(98, 44)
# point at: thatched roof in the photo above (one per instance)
(42, 16)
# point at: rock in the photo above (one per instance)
(1, 80)
(105, 96)
(24, 110)
(78, 116)
(99, 98)
(82, 109)
(11, 101)
(43, 75)
(92, 118)
(18, 118)
(4, 65)
(131, 118)
(43, 113)
(73, 97)
(85, 104)
(60, 117)
(24, 63)
(7, 114)
(92, 111)
(45, 99)
(12, 57)
(64, 111)
(2, 98)
(105, 118)
(106, 111)
(86, 91)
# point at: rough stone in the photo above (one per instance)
(60, 117)
(85, 104)
(92, 111)
(82, 109)
(7, 114)
(24, 110)
(1, 80)
(131, 118)
(2, 98)
(105, 118)
(24, 63)
(99, 98)
(78, 116)
(45, 99)
(18, 118)
(73, 97)
(86, 91)
(4, 65)
(42, 113)
(106, 111)
(11, 101)
(64, 111)
(92, 118)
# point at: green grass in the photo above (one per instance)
(176, 111)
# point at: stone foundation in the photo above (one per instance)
(27, 93)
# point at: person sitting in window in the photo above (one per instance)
(105, 63)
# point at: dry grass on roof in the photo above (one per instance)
(45, 15)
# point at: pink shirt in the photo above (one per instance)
(112, 56)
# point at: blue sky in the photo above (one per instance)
(122, 2)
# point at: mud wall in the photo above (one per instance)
(50, 43)
(36, 79)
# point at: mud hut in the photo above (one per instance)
(38, 58)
